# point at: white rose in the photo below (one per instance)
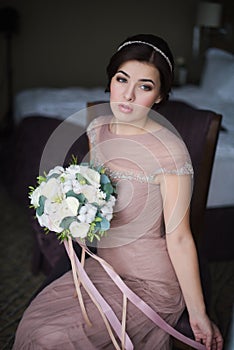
(46, 221)
(92, 176)
(90, 193)
(57, 211)
(79, 229)
(72, 204)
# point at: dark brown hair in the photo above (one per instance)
(145, 53)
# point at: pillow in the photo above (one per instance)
(218, 69)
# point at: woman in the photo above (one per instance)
(149, 244)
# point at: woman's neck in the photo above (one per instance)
(124, 128)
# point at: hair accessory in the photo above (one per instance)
(145, 43)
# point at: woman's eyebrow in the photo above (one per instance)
(143, 80)
(147, 80)
(124, 73)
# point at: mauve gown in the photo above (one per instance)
(135, 246)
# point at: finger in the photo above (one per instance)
(208, 341)
(219, 342)
(214, 344)
(218, 338)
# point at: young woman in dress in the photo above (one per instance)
(150, 244)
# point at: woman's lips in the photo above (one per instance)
(125, 108)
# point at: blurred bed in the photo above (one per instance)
(215, 92)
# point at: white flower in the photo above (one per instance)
(52, 190)
(35, 195)
(90, 193)
(91, 209)
(72, 170)
(109, 217)
(76, 186)
(45, 220)
(67, 186)
(79, 229)
(57, 211)
(107, 209)
(92, 176)
(83, 210)
(60, 208)
(112, 200)
(87, 213)
(56, 170)
(72, 204)
(82, 217)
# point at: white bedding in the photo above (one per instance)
(55, 102)
(215, 93)
(221, 191)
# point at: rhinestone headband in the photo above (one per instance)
(145, 43)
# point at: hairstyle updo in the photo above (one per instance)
(145, 53)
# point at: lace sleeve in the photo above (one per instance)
(173, 157)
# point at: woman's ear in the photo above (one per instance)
(158, 100)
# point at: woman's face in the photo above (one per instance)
(134, 89)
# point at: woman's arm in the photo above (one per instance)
(176, 194)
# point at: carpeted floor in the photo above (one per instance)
(18, 283)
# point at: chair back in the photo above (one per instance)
(199, 129)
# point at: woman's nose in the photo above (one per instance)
(129, 94)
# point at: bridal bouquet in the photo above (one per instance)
(76, 201)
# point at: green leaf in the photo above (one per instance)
(81, 198)
(74, 160)
(40, 208)
(63, 235)
(104, 179)
(108, 188)
(41, 179)
(66, 222)
(105, 224)
(53, 176)
(82, 180)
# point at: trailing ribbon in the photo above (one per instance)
(104, 308)
(127, 294)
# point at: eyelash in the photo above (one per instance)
(143, 87)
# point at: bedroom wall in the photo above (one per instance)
(68, 42)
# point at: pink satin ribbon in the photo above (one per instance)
(135, 299)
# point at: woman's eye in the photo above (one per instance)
(146, 87)
(121, 79)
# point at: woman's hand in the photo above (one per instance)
(206, 332)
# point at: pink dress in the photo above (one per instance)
(135, 247)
